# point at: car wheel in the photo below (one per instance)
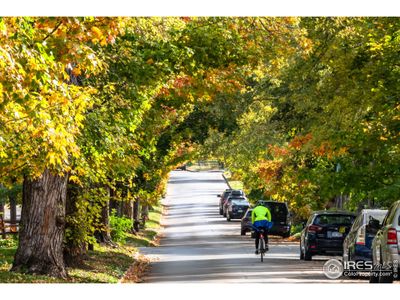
(301, 253)
(307, 254)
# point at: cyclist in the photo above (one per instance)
(261, 218)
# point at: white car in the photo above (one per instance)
(386, 247)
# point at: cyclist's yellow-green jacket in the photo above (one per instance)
(260, 213)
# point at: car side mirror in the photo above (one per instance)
(303, 225)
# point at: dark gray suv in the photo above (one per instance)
(280, 217)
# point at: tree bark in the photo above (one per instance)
(128, 209)
(128, 212)
(2, 229)
(113, 203)
(13, 213)
(104, 235)
(145, 215)
(136, 219)
(1, 208)
(40, 249)
(75, 249)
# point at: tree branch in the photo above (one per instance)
(55, 28)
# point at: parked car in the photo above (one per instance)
(324, 233)
(245, 224)
(236, 208)
(357, 244)
(228, 202)
(222, 200)
(233, 193)
(280, 217)
(386, 247)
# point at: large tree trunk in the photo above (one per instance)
(13, 213)
(145, 214)
(75, 249)
(2, 229)
(1, 208)
(128, 212)
(113, 202)
(122, 189)
(2, 205)
(40, 249)
(135, 217)
(128, 209)
(104, 235)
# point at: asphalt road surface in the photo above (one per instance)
(199, 245)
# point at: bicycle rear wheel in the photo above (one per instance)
(262, 249)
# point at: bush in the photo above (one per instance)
(120, 226)
(9, 242)
(296, 229)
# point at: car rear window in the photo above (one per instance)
(237, 193)
(377, 216)
(226, 194)
(334, 219)
(277, 209)
(237, 199)
(239, 202)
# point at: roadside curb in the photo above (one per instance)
(226, 181)
(283, 243)
(136, 273)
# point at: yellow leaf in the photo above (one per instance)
(1, 93)
(52, 158)
(77, 71)
(97, 32)
(75, 179)
(103, 42)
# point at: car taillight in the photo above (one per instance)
(314, 228)
(392, 236)
(361, 236)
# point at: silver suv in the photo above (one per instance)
(386, 247)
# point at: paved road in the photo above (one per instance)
(201, 246)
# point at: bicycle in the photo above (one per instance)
(262, 248)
